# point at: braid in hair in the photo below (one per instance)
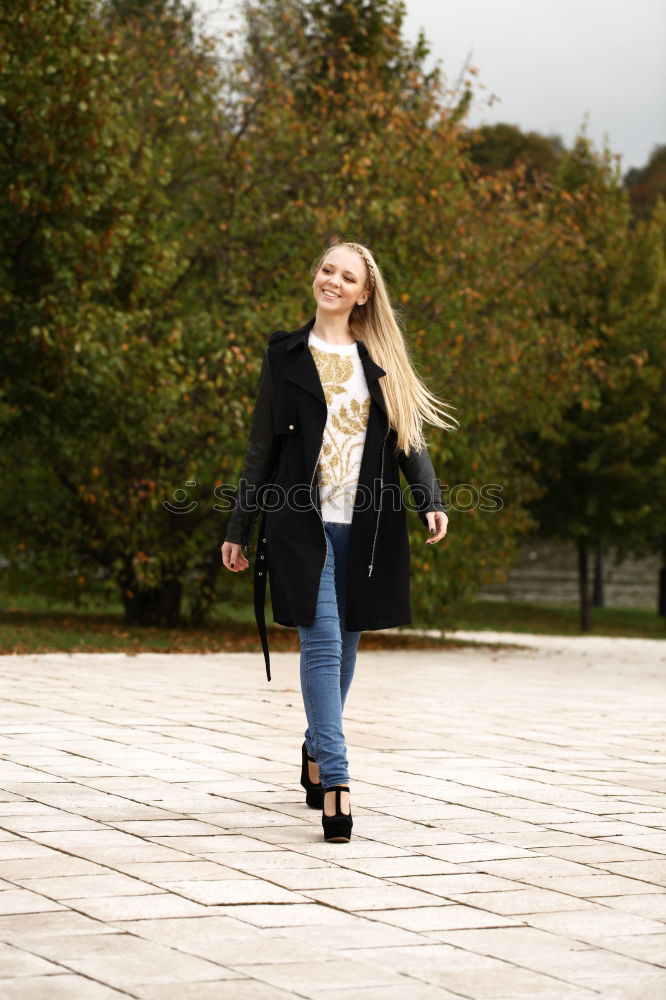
(362, 252)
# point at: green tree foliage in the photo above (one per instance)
(163, 203)
(501, 146)
(647, 184)
(600, 468)
(113, 363)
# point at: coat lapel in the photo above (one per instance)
(302, 370)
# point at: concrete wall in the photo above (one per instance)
(548, 571)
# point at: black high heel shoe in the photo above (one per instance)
(314, 793)
(337, 828)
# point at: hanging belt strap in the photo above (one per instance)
(260, 574)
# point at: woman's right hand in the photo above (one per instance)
(233, 558)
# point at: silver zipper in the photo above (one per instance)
(381, 484)
(315, 506)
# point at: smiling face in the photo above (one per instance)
(340, 282)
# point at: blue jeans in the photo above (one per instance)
(328, 658)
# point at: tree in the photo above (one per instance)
(646, 184)
(114, 368)
(596, 468)
(501, 146)
(186, 195)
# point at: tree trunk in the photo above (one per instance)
(598, 598)
(661, 600)
(583, 589)
(156, 606)
(204, 597)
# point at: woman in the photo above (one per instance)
(322, 464)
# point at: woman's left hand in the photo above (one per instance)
(438, 520)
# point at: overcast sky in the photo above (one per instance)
(550, 63)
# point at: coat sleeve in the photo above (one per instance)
(419, 472)
(260, 459)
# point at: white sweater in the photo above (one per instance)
(346, 390)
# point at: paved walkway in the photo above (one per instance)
(509, 828)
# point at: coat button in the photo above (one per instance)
(261, 574)
(263, 539)
(262, 557)
(291, 427)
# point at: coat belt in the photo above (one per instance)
(260, 573)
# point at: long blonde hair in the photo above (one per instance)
(409, 403)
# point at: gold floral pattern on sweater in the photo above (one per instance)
(333, 371)
(344, 434)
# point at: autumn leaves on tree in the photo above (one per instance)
(165, 193)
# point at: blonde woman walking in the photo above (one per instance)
(339, 412)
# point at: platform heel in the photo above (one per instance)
(314, 793)
(337, 828)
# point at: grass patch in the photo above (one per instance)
(555, 619)
(24, 632)
(30, 625)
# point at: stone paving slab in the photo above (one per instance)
(509, 827)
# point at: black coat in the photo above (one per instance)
(282, 455)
